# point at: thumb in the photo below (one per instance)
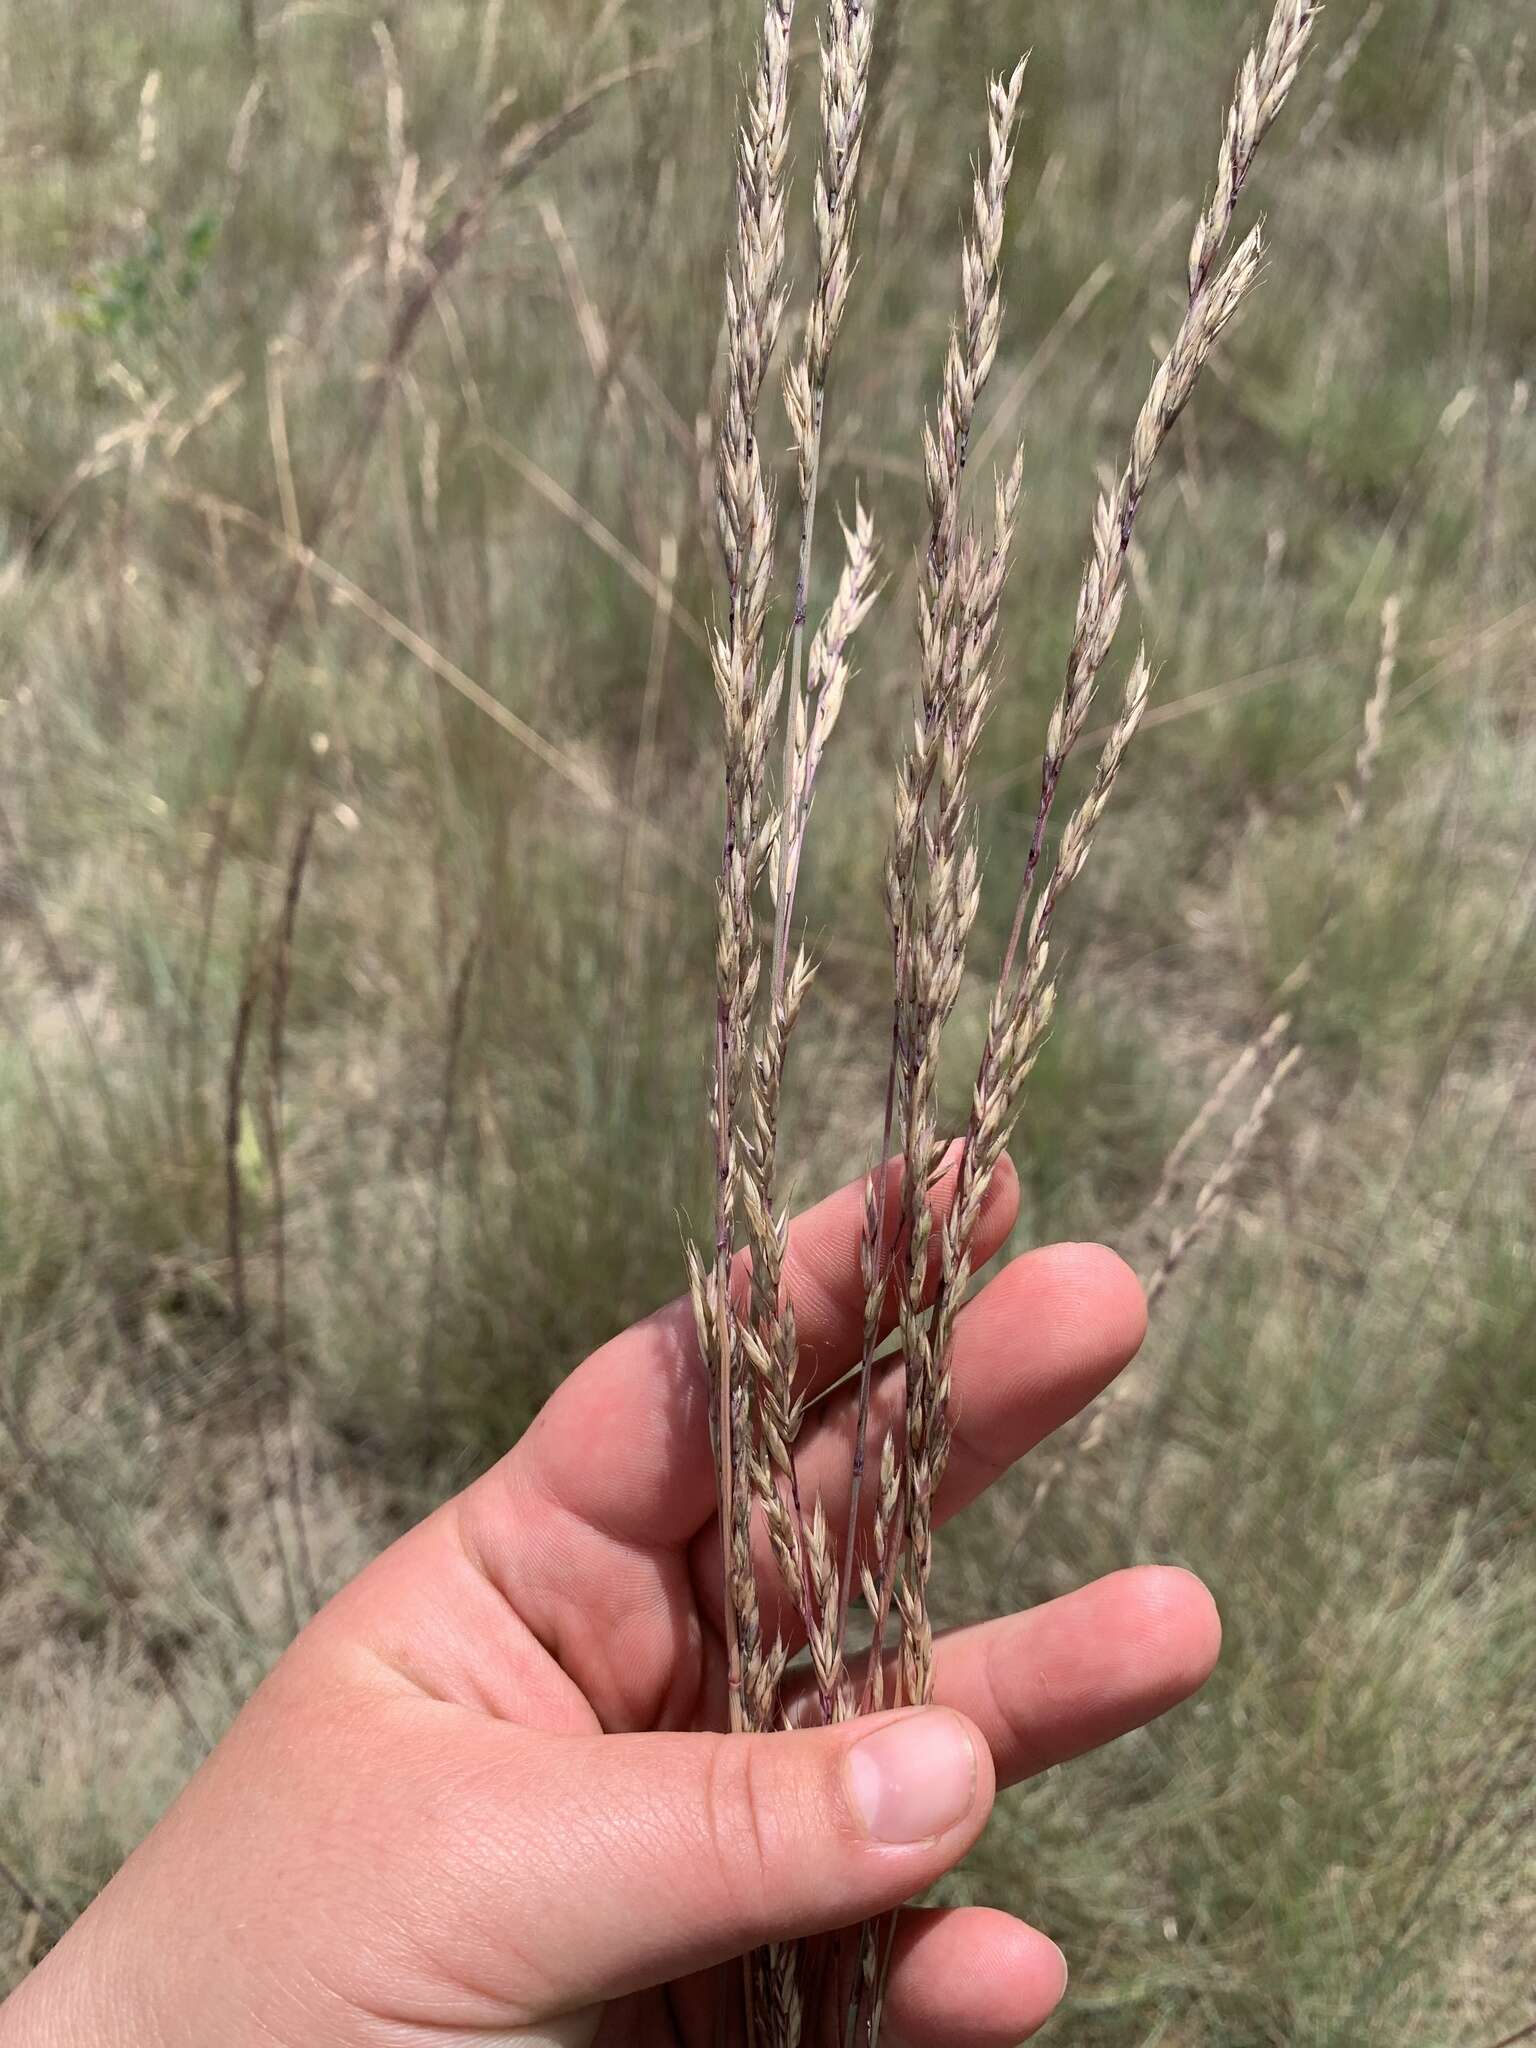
(675, 1852)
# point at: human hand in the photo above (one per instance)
(477, 1799)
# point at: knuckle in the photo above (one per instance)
(739, 1813)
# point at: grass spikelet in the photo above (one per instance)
(1374, 726)
(1023, 999)
(745, 514)
(753, 1360)
(1216, 1193)
(932, 871)
(846, 42)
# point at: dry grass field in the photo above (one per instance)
(359, 795)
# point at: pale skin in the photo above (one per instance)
(477, 1802)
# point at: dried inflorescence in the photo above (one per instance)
(932, 887)
(1023, 1000)
(1266, 1053)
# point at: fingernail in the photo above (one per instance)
(1066, 1974)
(913, 1779)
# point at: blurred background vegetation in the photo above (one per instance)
(357, 807)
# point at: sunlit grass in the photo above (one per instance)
(494, 1136)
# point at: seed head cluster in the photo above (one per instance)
(790, 1575)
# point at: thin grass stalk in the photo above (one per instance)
(803, 1551)
(223, 1659)
(1216, 1193)
(578, 775)
(956, 619)
(404, 232)
(527, 151)
(633, 914)
(1264, 1042)
(802, 1548)
(1254, 1054)
(277, 1066)
(592, 528)
(1213, 1199)
(489, 46)
(846, 44)
(932, 896)
(282, 467)
(1217, 284)
(234, 1108)
(448, 1102)
(1214, 296)
(1211, 1204)
(1338, 71)
(754, 306)
(448, 808)
(234, 1233)
(1152, 1435)
(609, 426)
(1374, 725)
(937, 971)
(906, 1267)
